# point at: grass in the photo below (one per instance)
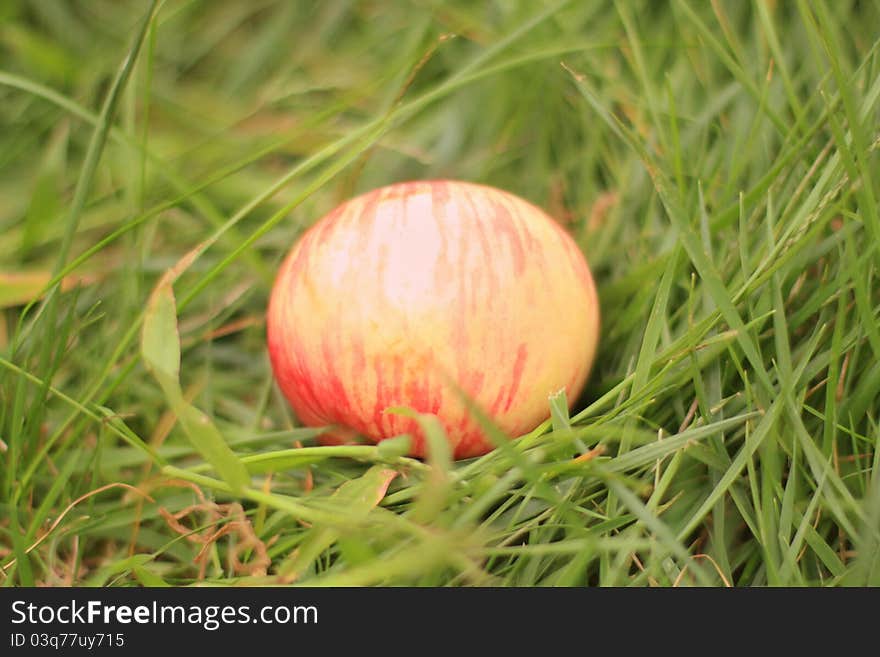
(718, 163)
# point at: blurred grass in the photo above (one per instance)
(717, 162)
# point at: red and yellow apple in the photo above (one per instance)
(416, 293)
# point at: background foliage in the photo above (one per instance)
(717, 162)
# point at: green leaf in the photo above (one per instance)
(438, 450)
(651, 453)
(160, 348)
(392, 449)
(206, 438)
(435, 492)
(559, 411)
(160, 342)
(148, 578)
(359, 496)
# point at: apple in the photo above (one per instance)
(416, 293)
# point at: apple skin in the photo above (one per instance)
(401, 292)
